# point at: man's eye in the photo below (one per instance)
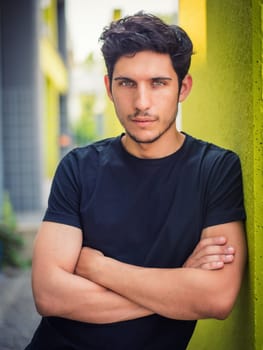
(127, 83)
(159, 83)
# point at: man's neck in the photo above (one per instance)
(155, 150)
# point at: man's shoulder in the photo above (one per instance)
(89, 157)
(210, 151)
(94, 149)
(97, 146)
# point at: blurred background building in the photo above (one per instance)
(33, 109)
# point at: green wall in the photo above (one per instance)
(225, 107)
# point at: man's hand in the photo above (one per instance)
(211, 254)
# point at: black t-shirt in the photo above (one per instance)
(147, 212)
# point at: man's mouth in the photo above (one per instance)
(142, 118)
(143, 121)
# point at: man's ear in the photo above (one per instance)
(108, 86)
(186, 87)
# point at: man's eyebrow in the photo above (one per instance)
(161, 78)
(153, 78)
(123, 78)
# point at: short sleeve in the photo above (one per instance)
(225, 191)
(64, 198)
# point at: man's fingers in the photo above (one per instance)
(222, 258)
(217, 264)
(213, 250)
(210, 262)
(211, 253)
(210, 241)
(214, 265)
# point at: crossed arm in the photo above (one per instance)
(90, 287)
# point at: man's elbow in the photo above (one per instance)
(44, 304)
(222, 311)
(222, 306)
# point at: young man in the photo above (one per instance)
(143, 234)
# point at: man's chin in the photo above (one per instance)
(143, 139)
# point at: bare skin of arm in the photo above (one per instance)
(56, 252)
(193, 292)
(59, 292)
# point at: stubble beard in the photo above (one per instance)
(155, 138)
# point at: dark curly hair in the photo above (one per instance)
(141, 32)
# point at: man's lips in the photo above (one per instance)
(143, 120)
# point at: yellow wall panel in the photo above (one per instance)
(225, 107)
(51, 129)
(52, 65)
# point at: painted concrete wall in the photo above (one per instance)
(225, 107)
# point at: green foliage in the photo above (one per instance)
(8, 215)
(10, 241)
(84, 129)
(10, 245)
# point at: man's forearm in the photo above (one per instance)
(181, 293)
(79, 299)
(172, 293)
(58, 291)
(198, 290)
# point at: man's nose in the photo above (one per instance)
(142, 98)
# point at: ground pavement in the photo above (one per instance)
(18, 317)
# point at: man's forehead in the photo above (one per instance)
(146, 63)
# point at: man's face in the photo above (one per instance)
(145, 95)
